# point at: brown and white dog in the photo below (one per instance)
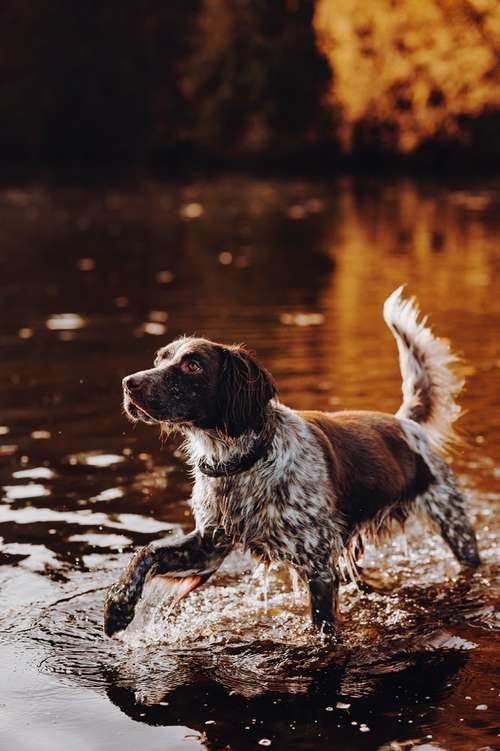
(303, 488)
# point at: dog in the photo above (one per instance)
(301, 487)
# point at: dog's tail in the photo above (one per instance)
(429, 384)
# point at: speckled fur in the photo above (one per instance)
(443, 502)
(284, 508)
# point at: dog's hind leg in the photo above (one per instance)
(189, 562)
(445, 504)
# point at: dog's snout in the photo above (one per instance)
(133, 383)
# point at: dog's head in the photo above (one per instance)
(198, 383)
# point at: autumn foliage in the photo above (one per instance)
(410, 70)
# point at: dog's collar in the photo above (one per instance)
(259, 450)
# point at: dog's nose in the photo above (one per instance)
(132, 383)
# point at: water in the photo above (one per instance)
(93, 282)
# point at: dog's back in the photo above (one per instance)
(372, 466)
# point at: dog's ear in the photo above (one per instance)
(243, 392)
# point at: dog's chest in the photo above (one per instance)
(248, 507)
(284, 507)
(272, 517)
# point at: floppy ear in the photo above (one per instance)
(244, 389)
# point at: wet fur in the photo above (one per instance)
(327, 481)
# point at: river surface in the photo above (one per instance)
(93, 281)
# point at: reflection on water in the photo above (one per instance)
(299, 272)
(65, 321)
(33, 490)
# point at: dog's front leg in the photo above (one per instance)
(323, 590)
(195, 556)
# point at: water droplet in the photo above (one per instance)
(302, 319)
(225, 258)
(154, 329)
(164, 277)
(40, 435)
(296, 212)
(65, 321)
(159, 316)
(191, 210)
(86, 264)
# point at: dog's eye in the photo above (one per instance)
(191, 366)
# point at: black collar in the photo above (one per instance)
(259, 450)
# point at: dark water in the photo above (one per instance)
(92, 282)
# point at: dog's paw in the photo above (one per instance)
(118, 610)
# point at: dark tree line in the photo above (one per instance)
(111, 81)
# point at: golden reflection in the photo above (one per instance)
(445, 253)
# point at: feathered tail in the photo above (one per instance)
(429, 384)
